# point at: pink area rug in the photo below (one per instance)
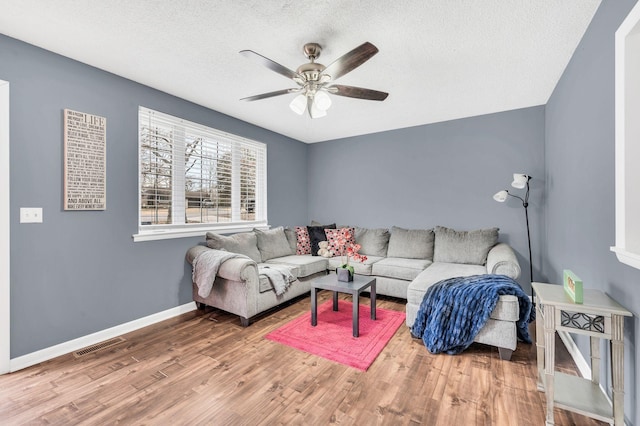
(332, 338)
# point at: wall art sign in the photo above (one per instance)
(85, 161)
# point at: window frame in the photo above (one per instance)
(181, 230)
(627, 147)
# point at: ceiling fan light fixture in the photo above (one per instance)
(322, 100)
(314, 111)
(299, 104)
(314, 80)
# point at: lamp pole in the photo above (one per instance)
(502, 196)
(525, 204)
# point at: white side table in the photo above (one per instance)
(599, 317)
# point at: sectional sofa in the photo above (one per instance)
(405, 263)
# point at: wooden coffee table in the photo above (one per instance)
(354, 288)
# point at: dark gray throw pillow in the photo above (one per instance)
(316, 234)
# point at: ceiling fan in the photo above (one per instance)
(314, 80)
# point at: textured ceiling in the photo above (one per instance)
(439, 60)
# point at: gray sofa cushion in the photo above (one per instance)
(306, 264)
(373, 242)
(272, 243)
(361, 268)
(292, 238)
(467, 247)
(400, 268)
(411, 243)
(244, 243)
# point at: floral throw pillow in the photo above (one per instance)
(336, 235)
(303, 245)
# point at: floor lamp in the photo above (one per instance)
(520, 181)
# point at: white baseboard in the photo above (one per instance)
(100, 336)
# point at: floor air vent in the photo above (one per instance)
(98, 346)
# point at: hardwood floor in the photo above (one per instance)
(204, 368)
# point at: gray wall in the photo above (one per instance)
(580, 185)
(439, 174)
(80, 272)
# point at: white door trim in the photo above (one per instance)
(5, 227)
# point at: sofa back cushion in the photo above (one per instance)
(373, 242)
(292, 238)
(467, 247)
(411, 243)
(272, 243)
(244, 243)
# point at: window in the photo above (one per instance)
(195, 179)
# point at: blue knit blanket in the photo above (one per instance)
(453, 311)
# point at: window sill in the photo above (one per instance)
(166, 234)
(627, 257)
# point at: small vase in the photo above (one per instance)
(344, 274)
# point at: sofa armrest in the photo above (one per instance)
(232, 269)
(502, 260)
(193, 252)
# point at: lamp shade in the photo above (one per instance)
(519, 180)
(298, 104)
(322, 100)
(316, 112)
(501, 196)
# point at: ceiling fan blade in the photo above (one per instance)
(357, 92)
(270, 94)
(350, 61)
(274, 66)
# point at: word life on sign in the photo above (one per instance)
(85, 155)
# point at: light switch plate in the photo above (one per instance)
(30, 214)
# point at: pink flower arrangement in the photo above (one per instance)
(347, 247)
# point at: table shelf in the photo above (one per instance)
(581, 396)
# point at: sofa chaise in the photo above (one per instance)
(405, 263)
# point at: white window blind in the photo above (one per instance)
(195, 178)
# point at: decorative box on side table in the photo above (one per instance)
(598, 317)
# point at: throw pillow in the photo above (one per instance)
(292, 238)
(334, 234)
(303, 243)
(374, 242)
(244, 243)
(316, 234)
(468, 247)
(272, 243)
(411, 243)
